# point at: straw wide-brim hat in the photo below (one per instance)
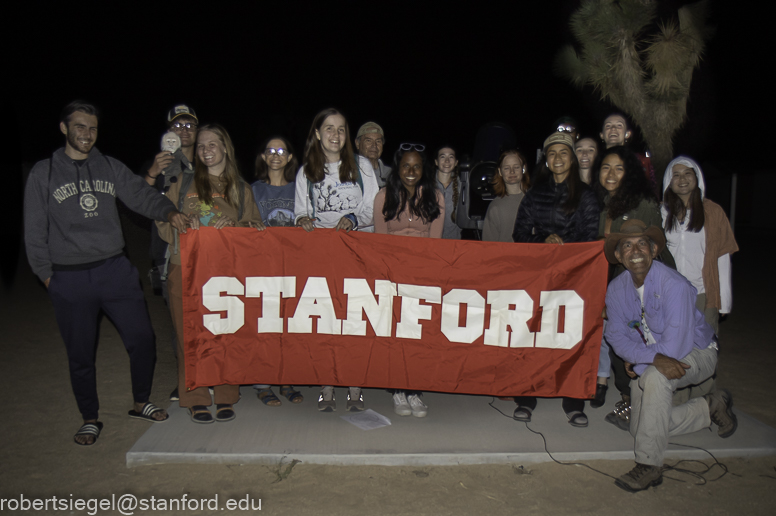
(633, 228)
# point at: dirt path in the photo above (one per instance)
(39, 459)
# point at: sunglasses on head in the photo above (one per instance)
(412, 146)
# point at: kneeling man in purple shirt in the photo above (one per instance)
(666, 345)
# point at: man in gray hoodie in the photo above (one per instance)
(75, 246)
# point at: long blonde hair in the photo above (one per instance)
(231, 174)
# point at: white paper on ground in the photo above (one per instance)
(367, 420)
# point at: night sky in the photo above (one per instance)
(427, 72)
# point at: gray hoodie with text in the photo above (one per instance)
(70, 214)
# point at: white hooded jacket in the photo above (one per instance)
(689, 248)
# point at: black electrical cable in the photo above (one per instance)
(697, 474)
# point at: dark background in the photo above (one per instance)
(426, 71)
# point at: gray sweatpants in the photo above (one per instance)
(654, 419)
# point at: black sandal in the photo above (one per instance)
(224, 412)
(200, 414)
(92, 429)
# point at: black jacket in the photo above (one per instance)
(541, 214)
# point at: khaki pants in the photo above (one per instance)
(224, 394)
(655, 418)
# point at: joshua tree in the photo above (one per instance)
(643, 68)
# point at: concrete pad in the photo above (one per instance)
(459, 429)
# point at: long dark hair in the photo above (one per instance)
(634, 186)
(231, 174)
(677, 210)
(573, 182)
(423, 204)
(262, 169)
(454, 178)
(315, 159)
(499, 187)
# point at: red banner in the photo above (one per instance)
(283, 306)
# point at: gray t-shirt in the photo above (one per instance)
(451, 230)
(500, 218)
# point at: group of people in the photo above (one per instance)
(679, 248)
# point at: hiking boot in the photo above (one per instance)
(400, 404)
(419, 409)
(355, 400)
(326, 402)
(620, 416)
(721, 412)
(642, 477)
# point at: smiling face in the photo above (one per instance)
(332, 136)
(81, 134)
(210, 151)
(636, 255)
(615, 131)
(370, 146)
(511, 169)
(559, 161)
(410, 170)
(586, 151)
(274, 160)
(446, 160)
(611, 173)
(188, 135)
(683, 181)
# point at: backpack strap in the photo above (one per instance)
(241, 196)
(186, 178)
(359, 181)
(310, 195)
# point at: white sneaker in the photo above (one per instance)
(355, 400)
(419, 409)
(400, 405)
(326, 402)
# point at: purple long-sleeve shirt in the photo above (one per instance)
(669, 309)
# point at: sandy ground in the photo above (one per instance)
(39, 459)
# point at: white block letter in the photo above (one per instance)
(475, 315)
(213, 301)
(315, 300)
(360, 297)
(270, 289)
(551, 302)
(501, 317)
(412, 311)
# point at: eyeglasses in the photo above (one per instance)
(188, 125)
(412, 146)
(279, 151)
(566, 128)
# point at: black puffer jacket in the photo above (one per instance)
(541, 214)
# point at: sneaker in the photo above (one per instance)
(174, 395)
(721, 412)
(355, 400)
(620, 416)
(326, 402)
(400, 405)
(642, 477)
(419, 409)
